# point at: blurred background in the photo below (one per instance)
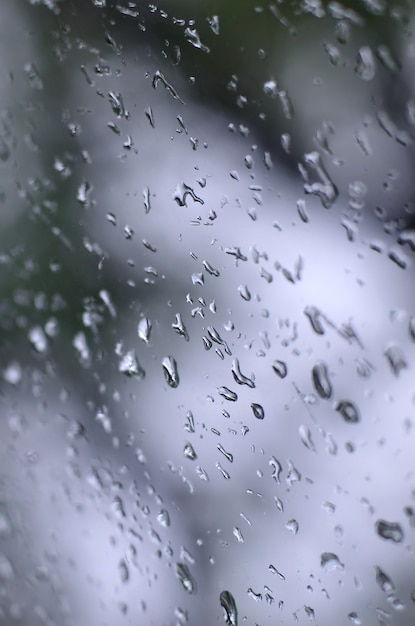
(207, 315)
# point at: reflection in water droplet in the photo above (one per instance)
(330, 562)
(321, 380)
(391, 531)
(227, 602)
(185, 578)
(170, 370)
(258, 411)
(280, 368)
(348, 410)
(130, 366)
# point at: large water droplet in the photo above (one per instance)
(192, 37)
(348, 410)
(227, 602)
(321, 380)
(240, 378)
(182, 191)
(170, 370)
(258, 410)
(391, 531)
(330, 562)
(130, 366)
(185, 578)
(324, 188)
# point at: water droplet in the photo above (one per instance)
(185, 578)
(305, 436)
(192, 37)
(391, 531)
(258, 411)
(170, 370)
(163, 518)
(365, 63)
(280, 368)
(182, 191)
(244, 292)
(228, 394)
(159, 77)
(144, 329)
(330, 562)
(237, 533)
(150, 116)
(292, 526)
(147, 199)
(321, 380)
(223, 471)
(324, 188)
(213, 23)
(348, 410)
(255, 596)
(314, 315)
(179, 327)
(227, 602)
(384, 581)
(353, 617)
(274, 570)
(240, 378)
(276, 468)
(270, 88)
(293, 475)
(38, 339)
(396, 359)
(117, 104)
(189, 451)
(13, 373)
(226, 454)
(130, 366)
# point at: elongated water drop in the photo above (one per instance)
(314, 315)
(276, 468)
(227, 602)
(179, 327)
(144, 329)
(240, 378)
(258, 410)
(189, 451)
(228, 394)
(185, 578)
(321, 380)
(384, 582)
(305, 436)
(170, 370)
(396, 359)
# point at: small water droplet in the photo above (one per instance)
(228, 394)
(185, 578)
(38, 339)
(179, 327)
(159, 77)
(226, 454)
(13, 373)
(244, 292)
(314, 315)
(321, 380)
(258, 411)
(391, 531)
(227, 602)
(274, 570)
(276, 468)
(223, 471)
(144, 329)
(150, 116)
(270, 88)
(323, 188)
(170, 370)
(163, 518)
(117, 104)
(237, 533)
(280, 368)
(348, 410)
(182, 191)
(147, 199)
(330, 562)
(192, 37)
